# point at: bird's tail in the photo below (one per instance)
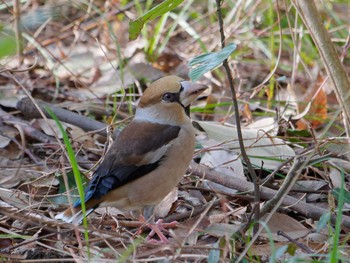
(73, 215)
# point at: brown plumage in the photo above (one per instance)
(149, 157)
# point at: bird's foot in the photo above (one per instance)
(158, 228)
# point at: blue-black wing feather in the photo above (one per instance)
(120, 164)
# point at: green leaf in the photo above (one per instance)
(136, 26)
(292, 249)
(7, 44)
(209, 61)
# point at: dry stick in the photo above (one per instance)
(35, 134)
(28, 109)
(87, 26)
(46, 222)
(171, 218)
(303, 208)
(329, 55)
(194, 226)
(27, 129)
(292, 240)
(28, 242)
(251, 171)
(13, 70)
(273, 204)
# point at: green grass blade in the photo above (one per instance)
(136, 26)
(76, 172)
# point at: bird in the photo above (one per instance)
(149, 157)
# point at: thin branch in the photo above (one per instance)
(17, 26)
(329, 55)
(308, 210)
(246, 159)
(30, 110)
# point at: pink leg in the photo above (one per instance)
(157, 229)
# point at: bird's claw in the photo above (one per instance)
(157, 229)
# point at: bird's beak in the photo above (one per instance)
(190, 92)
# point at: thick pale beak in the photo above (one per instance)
(190, 92)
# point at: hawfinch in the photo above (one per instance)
(149, 157)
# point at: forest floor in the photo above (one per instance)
(76, 58)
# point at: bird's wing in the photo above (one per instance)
(138, 150)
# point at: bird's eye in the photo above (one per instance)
(167, 96)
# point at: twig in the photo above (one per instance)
(20, 70)
(28, 109)
(251, 171)
(171, 218)
(279, 55)
(28, 130)
(47, 223)
(288, 182)
(329, 55)
(247, 187)
(301, 245)
(203, 172)
(301, 207)
(189, 214)
(17, 14)
(28, 242)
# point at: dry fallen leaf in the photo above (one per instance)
(6, 135)
(316, 112)
(162, 209)
(11, 174)
(287, 224)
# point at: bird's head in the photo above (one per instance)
(167, 100)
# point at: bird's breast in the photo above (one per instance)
(151, 189)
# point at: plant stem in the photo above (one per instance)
(246, 159)
(329, 55)
(17, 14)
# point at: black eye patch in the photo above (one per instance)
(171, 97)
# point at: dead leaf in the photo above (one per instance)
(247, 114)
(317, 111)
(224, 161)
(167, 61)
(182, 232)
(287, 224)
(11, 174)
(46, 185)
(4, 141)
(310, 185)
(49, 127)
(267, 124)
(162, 209)
(336, 178)
(222, 229)
(260, 145)
(221, 217)
(145, 71)
(6, 135)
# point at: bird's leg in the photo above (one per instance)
(156, 227)
(159, 227)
